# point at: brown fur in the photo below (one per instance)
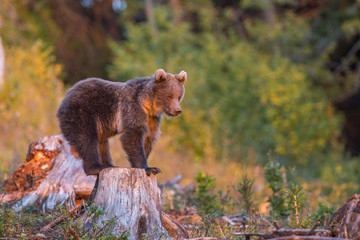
(95, 109)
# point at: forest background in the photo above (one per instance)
(275, 81)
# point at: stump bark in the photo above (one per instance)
(132, 200)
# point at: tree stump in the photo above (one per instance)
(345, 222)
(50, 176)
(132, 199)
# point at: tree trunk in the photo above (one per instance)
(176, 11)
(2, 63)
(150, 15)
(132, 199)
(50, 176)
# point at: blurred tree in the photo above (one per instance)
(2, 63)
(263, 75)
(241, 95)
(79, 33)
(29, 98)
(81, 44)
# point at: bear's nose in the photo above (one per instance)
(178, 112)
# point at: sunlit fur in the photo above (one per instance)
(95, 109)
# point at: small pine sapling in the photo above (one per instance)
(295, 199)
(245, 194)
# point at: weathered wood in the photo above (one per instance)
(300, 232)
(60, 219)
(276, 224)
(312, 230)
(51, 176)
(132, 199)
(205, 238)
(260, 235)
(174, 229)
(171, 183)
(283, 233)
(345, 221)
(294, 237)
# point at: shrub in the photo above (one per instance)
(240, 95)
(207, 200)
(245, 193)
(274, 177)
(323, 213)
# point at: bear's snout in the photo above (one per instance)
(177, 112)
(173, 112)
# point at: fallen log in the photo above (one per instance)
(206, 238)
(260, 235)
(60, 219)
(171, 183)
(312, 230)
(294, 237)
(280, 233)
(301, 232)
(175, 229)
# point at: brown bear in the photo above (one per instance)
(94, 110)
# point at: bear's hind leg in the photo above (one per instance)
(87, 149)
(104, 148)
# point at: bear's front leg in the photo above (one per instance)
(133, 144)
(153, 170)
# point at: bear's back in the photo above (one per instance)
(93, 96)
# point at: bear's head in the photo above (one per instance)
(168, 92)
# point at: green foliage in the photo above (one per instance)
(19, 224)
(72, 226)
(206, 199)
(245, 194)
(274, 177)
(155, 235)
(240, 95)
(7, 221)
(323, 213)
(24, 25)
(29, 98)
(295, 201)
(211, 228)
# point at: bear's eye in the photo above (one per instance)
(169, 97)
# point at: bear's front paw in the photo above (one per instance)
(153, 170)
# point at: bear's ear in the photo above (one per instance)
(160, 75)
(182, 76)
